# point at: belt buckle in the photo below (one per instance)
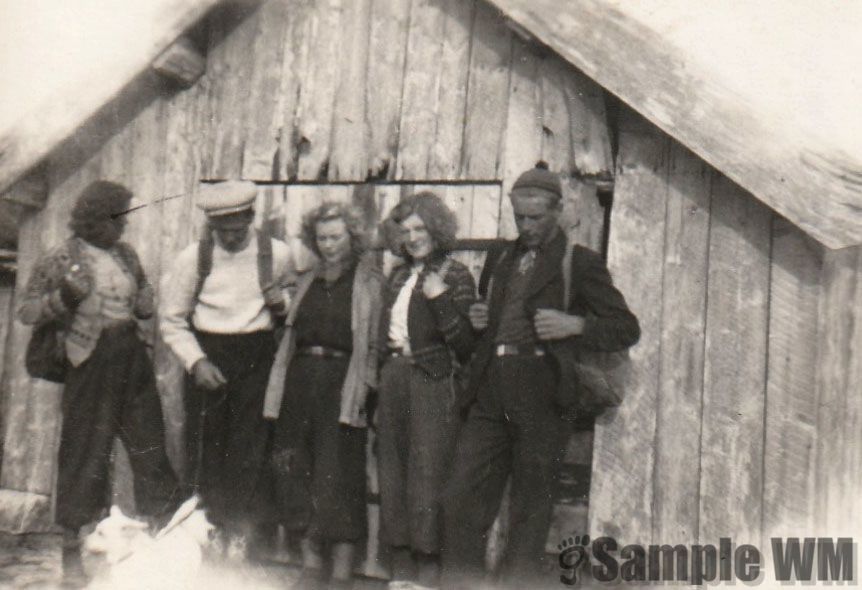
(500, 350)
(316, 350)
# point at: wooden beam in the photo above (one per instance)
(784, 161)
(181, 62)
(50, 116)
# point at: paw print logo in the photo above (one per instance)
(574, 553)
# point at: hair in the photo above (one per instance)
(328, 211)
(102, 201)
(437, 217)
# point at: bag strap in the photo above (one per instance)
(264, 260)
(205, 260)
(567, 273)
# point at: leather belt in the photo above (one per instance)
(321, 351)
(518, 350)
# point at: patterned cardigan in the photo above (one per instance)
(42, 302)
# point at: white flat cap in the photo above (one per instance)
(230, 196)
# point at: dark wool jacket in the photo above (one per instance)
(434, 326)
(610, 325)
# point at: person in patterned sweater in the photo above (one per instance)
(93, 288)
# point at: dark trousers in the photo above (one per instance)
(228, 439)
(113, 393)
(513, 429)
(417, 423)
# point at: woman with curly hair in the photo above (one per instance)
(92, 288)
(427, 330)
(323, 370)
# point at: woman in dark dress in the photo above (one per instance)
(324, 368)
(427, 333)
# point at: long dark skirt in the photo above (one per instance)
(319, 463)
(113, 393)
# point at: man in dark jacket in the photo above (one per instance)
(515, 398)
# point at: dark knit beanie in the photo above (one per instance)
(540, 177)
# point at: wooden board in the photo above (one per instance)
(837, 509)
(387, 52)
(677, 450)
(230, 65)
(318, 90)
(272, 89)
(735, 366)
(621, 494)
(522, 145)
(422, 79)
(487, 95)
(350, 134)
(791, 400)
(447, 143)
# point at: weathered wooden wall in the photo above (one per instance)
(742, 415)
(366, 101)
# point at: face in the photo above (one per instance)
(536, 212)
(417, 240)
(231, 231)
(333, 239)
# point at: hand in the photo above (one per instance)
(207, 375)
(433, 285)
(76, 286)
(552, 324)
(274, 299)
(478, 315)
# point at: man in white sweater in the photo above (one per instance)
(221, 303)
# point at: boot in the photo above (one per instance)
(72, 564)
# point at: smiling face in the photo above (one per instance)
(332, 239)
(417, 239)
(536, 212)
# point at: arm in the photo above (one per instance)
(609, 325)
(43, 299)
(451, 310)
(177, 304)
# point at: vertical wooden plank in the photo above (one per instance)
(445, 157)
(350, 134)
(556, 133)
(230, 63)
(791, 400)
(296, 48)
(523, 140)
(591, 143)
(387, 53)
(838, 390)
(677, 464)
(735, 366)
(318, 89)
(487, 95)
(583, 216)
(421, 88)
(621, 495)
(271, 88)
